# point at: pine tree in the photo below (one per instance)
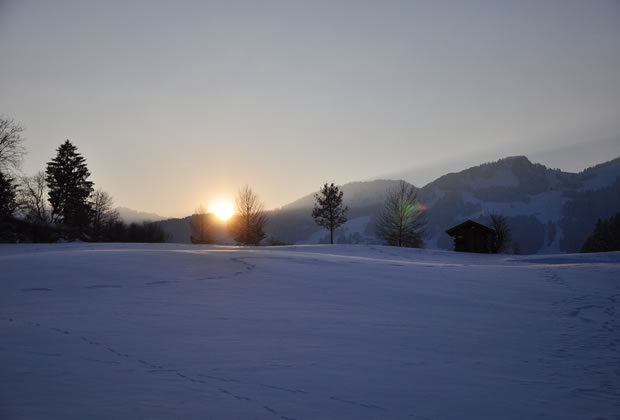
(329, 211)
(7, 196)
(402, 221)
(69, 188)
(605, 237)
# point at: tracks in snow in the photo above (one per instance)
(216, 383)
(589, 347)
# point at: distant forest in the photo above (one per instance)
(60, 203)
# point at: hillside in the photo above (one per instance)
(549, 210)
(130, 215)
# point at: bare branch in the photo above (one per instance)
(402, 221)
(32, 198)
(249, 221)
(11, 148)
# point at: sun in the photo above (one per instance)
(223, 209)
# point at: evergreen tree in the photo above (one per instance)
(7, 196)
(402, 221)
(329, 211)
(606, 236)
(69, 188)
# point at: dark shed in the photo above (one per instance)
(470, 236)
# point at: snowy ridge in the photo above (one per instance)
(550, 211)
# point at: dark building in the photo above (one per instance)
(470, 236)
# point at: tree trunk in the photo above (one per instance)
(331, 236)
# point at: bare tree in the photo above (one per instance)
(503, 234)
(402, 221)
(249, 221)
(11, 149)
(199, 223)
(329, 211)
(32, 198)
(104, 213)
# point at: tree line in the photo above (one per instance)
(59, 203)
(401, 223)
(62, 203)
(605, 237)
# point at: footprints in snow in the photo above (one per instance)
(218, 378)
(578, 310)
(279, 388)
(554, 278)
(152, 283)
(153, 368)
(197, 378)
(37, 289)
(275, 413)
(596, 327)
(248, 266)
(371, 406)
(239, 397)
(239, 260)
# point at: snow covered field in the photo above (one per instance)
(306, 332)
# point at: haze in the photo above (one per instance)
(176, 104)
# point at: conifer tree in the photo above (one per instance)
(7, 196)
(605, 237)
(329, 211)
(69, 187)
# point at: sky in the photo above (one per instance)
(177, 104)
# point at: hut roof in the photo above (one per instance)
(468, 224)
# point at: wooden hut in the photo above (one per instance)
(471, 236)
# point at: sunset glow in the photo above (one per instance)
(222, 208)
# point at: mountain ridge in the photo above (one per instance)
(549, 210)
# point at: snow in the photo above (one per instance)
(305, 332)
(546, 207)
(601, 177)
(503, 177)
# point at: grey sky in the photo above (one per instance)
(177, 103)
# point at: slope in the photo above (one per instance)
(349, 332)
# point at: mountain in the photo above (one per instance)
(129, 215)
(548, 210)
(178, 230)
(293, 222)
